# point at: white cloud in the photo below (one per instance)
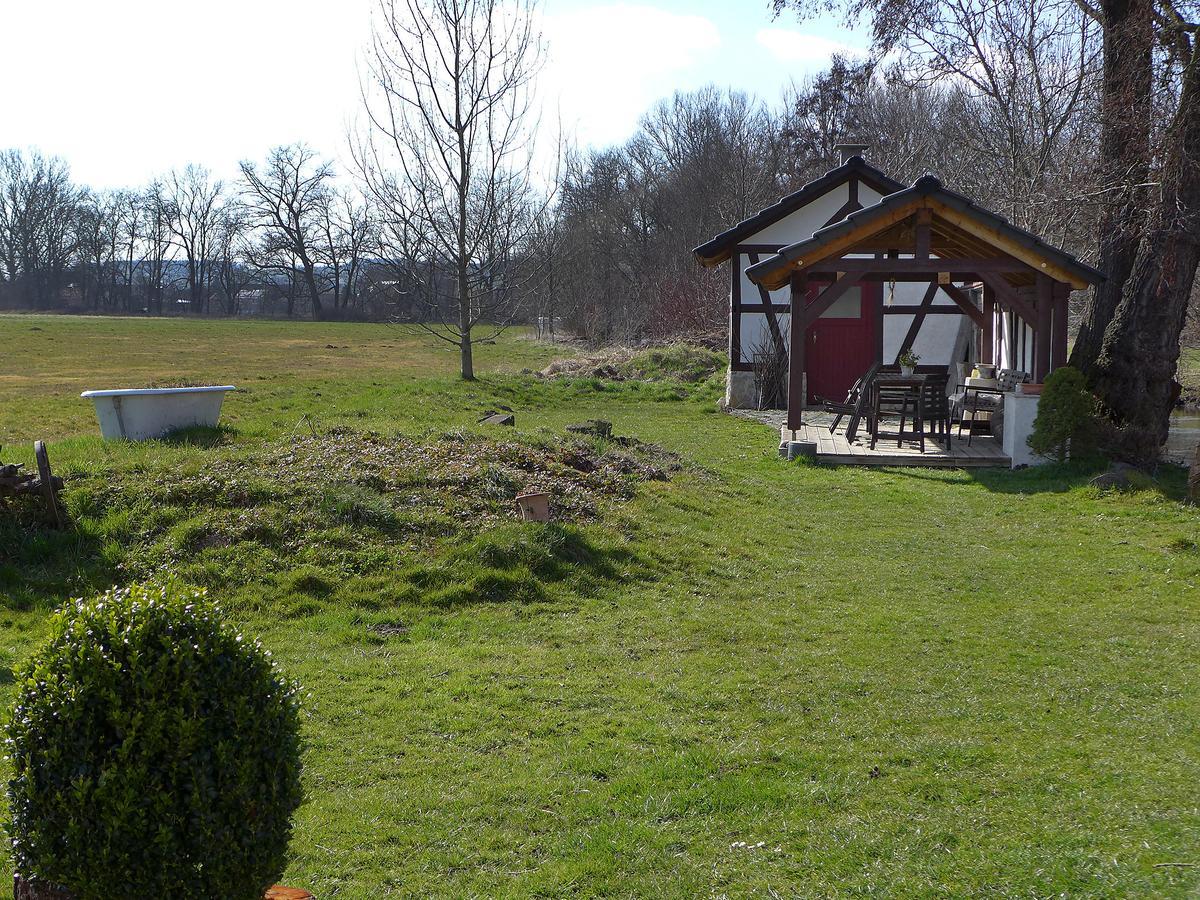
(790, 46)
(608, 63)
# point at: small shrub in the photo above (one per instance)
(155, 754)
(1066, 421)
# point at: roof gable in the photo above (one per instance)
(960, 230)
(720, 248)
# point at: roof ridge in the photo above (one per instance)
(717, 250)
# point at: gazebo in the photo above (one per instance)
(927, 233)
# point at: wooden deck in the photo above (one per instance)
(985, 450)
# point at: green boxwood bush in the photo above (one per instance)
(1066, 420)
(155, 753)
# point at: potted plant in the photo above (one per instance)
(908, 362)
(155, 753)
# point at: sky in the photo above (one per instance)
(125, 90)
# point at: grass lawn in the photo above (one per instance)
(753, 678)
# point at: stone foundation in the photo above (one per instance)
(739, 390)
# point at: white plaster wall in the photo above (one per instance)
(755, 331)
(1009, 353)
(801, 224)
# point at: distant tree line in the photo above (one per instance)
(603, 251)
(283, 240)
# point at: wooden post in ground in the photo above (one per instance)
(47, 481)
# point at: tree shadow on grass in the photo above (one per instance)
(1168, 480)
(520, 563)
(200, 436)
(41, 566)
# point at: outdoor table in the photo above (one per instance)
(906, 388)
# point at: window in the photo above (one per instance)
(847, 306)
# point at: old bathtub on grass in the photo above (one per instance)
(140, 414)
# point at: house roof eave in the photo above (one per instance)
(720, 248)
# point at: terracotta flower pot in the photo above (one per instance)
(26, 889)
(1030, 390)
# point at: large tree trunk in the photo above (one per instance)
(1135, 371)
(1126, 114)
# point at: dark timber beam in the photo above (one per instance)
(765, 296)
(918, 320)
(963, 302)
(797, 339)
(1058, 353)
(827, 298)
(846, 208)
(735, 311)
(924, 220)
(933, 265)
(987, 340)
(1043, 336)
(898, 277)
(1009, 297)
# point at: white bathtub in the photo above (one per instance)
(144, 413)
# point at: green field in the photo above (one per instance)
(720, 675)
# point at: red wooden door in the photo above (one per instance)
(842, 343)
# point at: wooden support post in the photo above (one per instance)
(797, 340)
(924, 220)
(987, 339)
(1042, 337)
(1058, 351)
(875, 291)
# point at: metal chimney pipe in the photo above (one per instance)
(846, 151)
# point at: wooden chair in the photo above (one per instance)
(937, 404)
(904, 400)
(853, 405)
(972, 399)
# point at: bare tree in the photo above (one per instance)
(96, 228)
(286, 197)
(232, 272)
(158, 248)
(194, 207)
(39, 211)
(448, 91)
(345, 231)
(127, 233)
